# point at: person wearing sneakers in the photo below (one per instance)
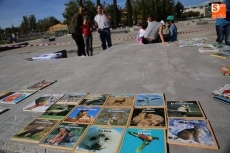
(172, 36)
(75, 29)
(87, 30)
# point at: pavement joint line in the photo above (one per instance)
(129, 38)
(38, 45)
(182, 32)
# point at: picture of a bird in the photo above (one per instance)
(31, 132)
(146, 140)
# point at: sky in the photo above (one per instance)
(11, 11)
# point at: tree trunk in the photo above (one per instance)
(143, 10)
(129, 13)
(115, 13)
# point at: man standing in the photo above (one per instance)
(75, 29)
(223, 25)
(103, 27)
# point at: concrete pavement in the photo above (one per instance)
(126, 67)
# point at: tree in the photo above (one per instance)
(115, 13)
(156, 6)
(109, 8)
(32, 22)
(13, 29)
(72, 8)
(163, 9)
(136, 10)
(24, 24)
(98, 2)
(152, 7)
(179, 9)
(80, 2)
(143, 10)
(129, 13)
(45, 23)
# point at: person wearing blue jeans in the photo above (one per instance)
(223, 26)
(172, 36)
(103, 27)
(105, 35)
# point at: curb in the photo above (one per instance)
(38, 45)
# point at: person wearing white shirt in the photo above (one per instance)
(103, 27)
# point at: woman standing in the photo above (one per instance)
(75, 29)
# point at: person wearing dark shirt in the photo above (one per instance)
(75, 29)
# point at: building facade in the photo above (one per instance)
(203, 8)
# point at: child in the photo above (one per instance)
(141, 32)
(172, 36)
(87, 29)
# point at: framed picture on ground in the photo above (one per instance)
(101, 140)
(150, 100)
(191, 132)
(35, 131)
(144, 140)
(184, 109)
(120, 100)
(64, 136)
(148, 117)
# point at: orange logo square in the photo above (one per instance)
(218, 11)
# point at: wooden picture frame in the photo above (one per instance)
(223, 91)
(120, 100)
(145, 100)
(184, 109)
(114, 136)
(54, 138)
(110, 116)
(42, 84)
(191, 132)
(148, 118)
(152, 138)
(82, 115)
(94, 100)
(5, 94)
(225, 70)
(17, 96)
(43, 103)
(57, 112)
(35, 130)
(71, 98)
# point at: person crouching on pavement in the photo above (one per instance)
(172, 36)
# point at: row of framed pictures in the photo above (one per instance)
(116, 139)
(16, 97)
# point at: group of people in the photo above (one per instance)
(81, 30)
(151, 30)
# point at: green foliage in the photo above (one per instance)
(45, 23)
(143, 10)
(190, 14)
(28, 23)
(178, 9)
(80, 2)
(98, 2)
(72, 8)
(109, 8)
(129, 13)
(115, 13)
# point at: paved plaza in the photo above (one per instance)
(181, 73)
